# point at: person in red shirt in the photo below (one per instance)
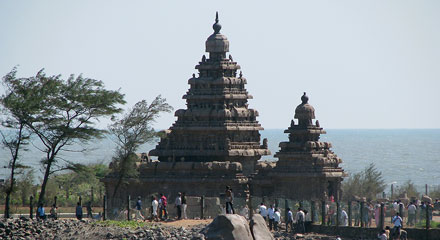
(163, 206)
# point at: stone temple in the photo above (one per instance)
(215, 142)
(306, 168)
(218, 125)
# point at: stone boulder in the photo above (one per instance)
(229, 226)
(259, 228)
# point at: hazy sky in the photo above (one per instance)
(364, 64)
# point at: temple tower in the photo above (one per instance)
(307, 168)
(217, 124)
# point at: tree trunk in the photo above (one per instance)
(8, 196)
(46, 178)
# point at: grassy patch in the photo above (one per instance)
(422, 224)
(124, 224)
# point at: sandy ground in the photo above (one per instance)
(185, 222)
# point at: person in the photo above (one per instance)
(289, 220)
(300, 216)
(263, 211)
(387, 231)
(53, 212)
(344, 218)
(163, 207)
(245, 212)
(356, 213)
(178, 205)
(277, 219)
(398, 223)
(184, 205)
(377, 213)
(412, 209)
(229, 200)
(89, 209)
(139, 208)
(79, 211)
(154, 207)
(270, 215)
(382, 235)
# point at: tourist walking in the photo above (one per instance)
(398, 223)
(277, 219)
(357, 215)
(300, 216)
(163, 214)
(154, 207)
(79, 211)
(184, 205)
(270, 215)
(263, 211)
(89, 209)
(289, 220)
(178, 205)
(229, 200)
(40, 212)
(139, 208)
(412, 209)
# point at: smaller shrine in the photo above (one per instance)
(307, 168)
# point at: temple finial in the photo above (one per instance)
(304, 98)
(216, 25)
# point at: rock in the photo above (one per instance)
(229, 226)
(259, 228)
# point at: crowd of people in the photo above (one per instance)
(53, 213)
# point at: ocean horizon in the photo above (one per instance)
(400, 154)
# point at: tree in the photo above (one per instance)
(131, 131)
(61, 112)
(367, 183)
(409, 188)
(14, 136)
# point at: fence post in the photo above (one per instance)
(128, 207)
(202, 207)
(349, 214)
(362, 213)
(338, 213)
(323, 212)
(55, 201)
(312, 210)
(31, 207)
(426, 189)
(392, 191)
(382, 216)
(427, 217)
(104, 208)
(401, 210)
(80, 201)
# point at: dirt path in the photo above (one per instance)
(186, 222)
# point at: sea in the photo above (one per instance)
(400, 154)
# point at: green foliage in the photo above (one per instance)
(367, 183)
(132, 130)
(435, 193)
(60, 112)
(409, 188)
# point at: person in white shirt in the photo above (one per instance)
(289, 220)
(300, 216)
(178, 204)
(344, 218)
(398, 224)
(412, 209)
(277, 219)
(154, 206)
(263, 211)
(270, 213)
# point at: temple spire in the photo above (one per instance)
(216, 25)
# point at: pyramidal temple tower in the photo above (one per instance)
(217, 124)
(306, 168)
